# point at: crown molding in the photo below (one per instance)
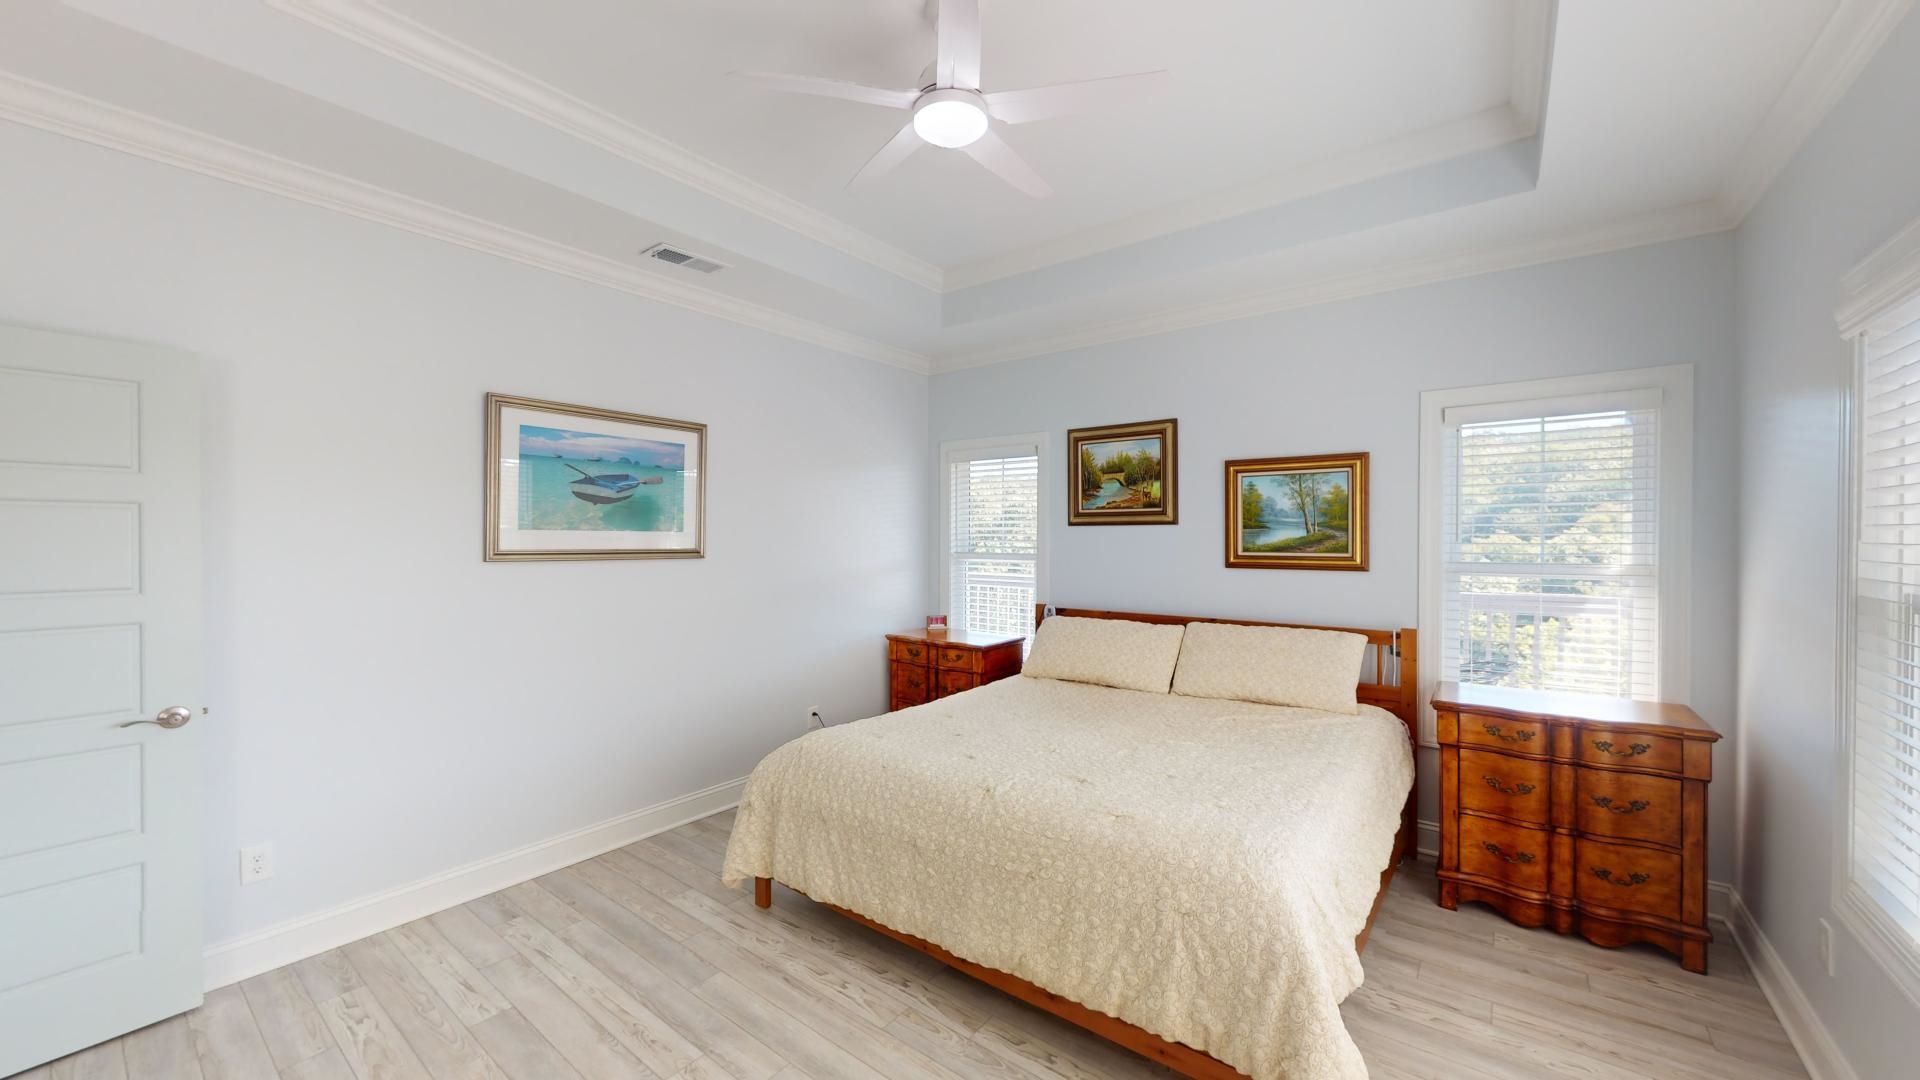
(1694, 219)
(49, 108)
(1883, 284)
(1533, 26)
(1854, 32)
(373, 25)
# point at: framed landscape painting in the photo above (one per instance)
(1298, 513)
(1123, 474)
(573, 482)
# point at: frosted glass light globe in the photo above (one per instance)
(950, 118)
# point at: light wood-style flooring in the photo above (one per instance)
(639, 964)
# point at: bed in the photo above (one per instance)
(1191, 878)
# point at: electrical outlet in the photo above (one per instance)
(1826, 947)
(256, 863)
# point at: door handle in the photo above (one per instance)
(171, 717)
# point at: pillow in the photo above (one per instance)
(1109, 652)
(1276, 665)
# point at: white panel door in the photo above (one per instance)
(99, 629)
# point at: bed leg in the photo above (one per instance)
(763, 892)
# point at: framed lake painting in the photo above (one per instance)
(1123, 474)
(1298, 513)
(573, 482)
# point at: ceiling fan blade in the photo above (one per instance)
(898, 149)
(833, 88)
(1001, 161)
(1041, 102)
(957, 54)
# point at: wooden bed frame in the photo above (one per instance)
(1399, 697)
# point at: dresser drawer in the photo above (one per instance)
(1500, 784)
(954, 682)
(910, 652)
(1514, 736)
(1627, 750)
(1510, 853)
(1627, 877)
(955, 658)
(1628, 804)
(911, 683)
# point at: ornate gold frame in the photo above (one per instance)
(1168, 512)
(496, 402)
(1359, 527)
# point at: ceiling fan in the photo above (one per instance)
(953, 113)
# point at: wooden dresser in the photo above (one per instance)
(1582, 813)
(922, 666)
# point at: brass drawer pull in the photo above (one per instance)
(1625, 883)
(1518, 736)
(1605, 802)
(1517, 789)
(1520, 857)
(1605, 746)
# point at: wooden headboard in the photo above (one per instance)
(1392, 652)
(1392, 656)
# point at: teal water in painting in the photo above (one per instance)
(547, 500)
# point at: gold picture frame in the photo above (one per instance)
(1124, 474)
(572, 482)
(1298, 513)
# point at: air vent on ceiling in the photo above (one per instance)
(686, 260)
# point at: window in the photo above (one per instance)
(992, 571)
(1878, 873)
(1551, 511)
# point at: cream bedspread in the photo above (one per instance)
(1194, 866)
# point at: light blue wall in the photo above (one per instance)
(1851, 187)
(1348, 376)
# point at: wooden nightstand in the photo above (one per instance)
(1583, 813)
(922, 666)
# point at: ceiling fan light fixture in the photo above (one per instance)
(950, 118)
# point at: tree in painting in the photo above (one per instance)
(1304, 489)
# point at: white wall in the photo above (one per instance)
(1348, 376)
(386, 705)
(1852, 186)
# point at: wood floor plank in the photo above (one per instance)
(327, 975)
(688, 850)
(636, 898)
(702, 879)
(331, 1065)
(542, 906)
(518, 1048)
(813, 1051)
(162, 1051)
(475, 939)
(291, 1026)
(664, 952)
(650, 1037)
(959, 1051)
(107, 1061)
(226, 1040)
(721, 1040)
(591, 1048)
(428, 1024)
(448, 970)
(369, 1040)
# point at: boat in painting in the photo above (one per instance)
(604, 489)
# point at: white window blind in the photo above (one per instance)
(1885, 842)
(1550, 545)
(993, 538)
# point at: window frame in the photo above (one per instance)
(1674, 384)
(1880, 293)
(942, 562)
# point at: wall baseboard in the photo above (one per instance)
(276, 946)
(1817, 1048)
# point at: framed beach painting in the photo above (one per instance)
(1298, 513)
(573, 482)
(1123, 474)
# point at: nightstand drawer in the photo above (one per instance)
(1514, 736)
(1627, 750)
(1510, 853)
(1630, 805)
(910, 652)
(954, 682)
(1500, 784)
(911, 683)
(957, 659)
(1627, 877)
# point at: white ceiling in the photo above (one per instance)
(1301, 151)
